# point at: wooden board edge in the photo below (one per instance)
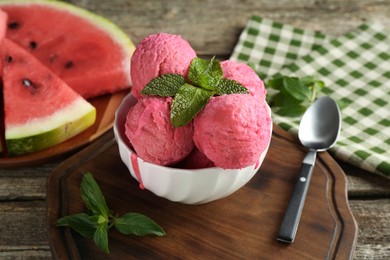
(338, 194)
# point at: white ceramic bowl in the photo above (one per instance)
(189, 186)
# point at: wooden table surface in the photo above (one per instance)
(212, 28)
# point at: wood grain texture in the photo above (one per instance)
(243, 225)
(374, 234)
(31, 218)
(372, 216)
(22, 188)
(213, 26)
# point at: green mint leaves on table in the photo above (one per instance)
(205, 81)
(100, 219)
(294, 95)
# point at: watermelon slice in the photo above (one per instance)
(2, 127)
(88, 52)
(40, 110)
(3, 28)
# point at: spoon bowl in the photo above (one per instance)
(319, 130)
(320, 125)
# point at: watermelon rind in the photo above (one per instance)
(46, 132)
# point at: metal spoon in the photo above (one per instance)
(319, 129)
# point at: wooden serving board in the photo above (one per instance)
(243, 225)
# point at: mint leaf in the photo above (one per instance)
(189, 100)
(165, 85)
(204, 73)
(314, 85)
(81, 223)
(276, 83)
(93, 197)
(101, 237)
(294, 95)
(308, 80)
(137, 224)
(282, 99)
(292, 111)
(97, 224)
(228, 86)
(284, 105)
(295, 87)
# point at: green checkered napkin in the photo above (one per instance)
(356, 70)
(267, 46)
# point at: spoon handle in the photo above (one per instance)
(290, 222)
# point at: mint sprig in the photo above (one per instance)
(205, 73)
(100, 218)
(293, 95)
(189, 100)
(205, 81)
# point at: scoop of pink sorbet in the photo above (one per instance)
(245, 75)
(233, 130)
(156, 55)
(152, 135)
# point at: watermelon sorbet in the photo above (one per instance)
(245, 75)
(159, 54)
(233, 130)
(153, 137)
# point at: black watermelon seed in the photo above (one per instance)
(13, 25)
(33, 45)
(69, 64)
(9, 59)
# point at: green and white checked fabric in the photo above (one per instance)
(356, 70)
(267, 45)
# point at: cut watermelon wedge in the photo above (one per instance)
(3, 28)
(88, 52)
(40, 110)
(2, 127)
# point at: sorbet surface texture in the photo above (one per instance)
(159, 54)
(152, 135)
(245, 75)
(233, 130)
